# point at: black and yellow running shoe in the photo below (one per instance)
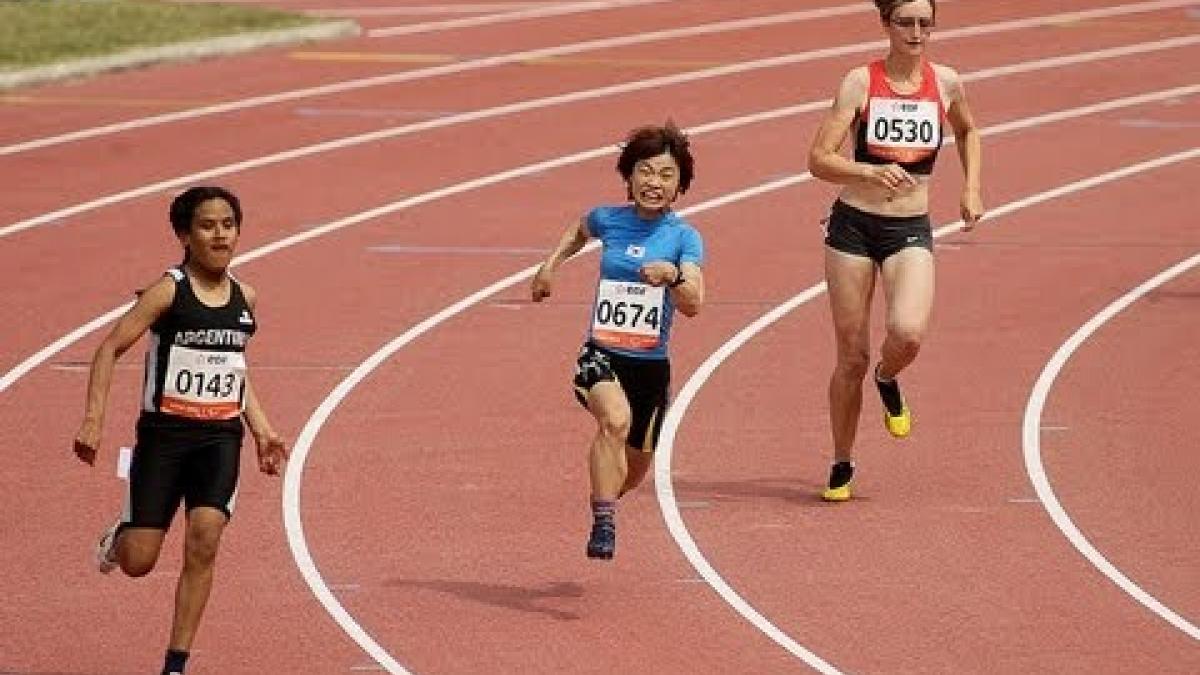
(897, 418)
(840, 477)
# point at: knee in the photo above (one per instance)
(906, 337)
(137, 562)
(615, 426)
(200, 549)
(852, 364)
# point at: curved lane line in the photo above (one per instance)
(45, 353)
(1031, 436)
(570, 98)
(432, 72)
(662, 461)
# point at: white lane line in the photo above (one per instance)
(662, 462)
(552, 101)
(293, 477)
(428, 10)
(1033, 448)
(504, 17)
(293, 522)
(436, 71)
(21, 369)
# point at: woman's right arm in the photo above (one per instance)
(573, 238)
(149, 306)
(825, 160)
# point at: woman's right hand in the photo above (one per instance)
(890, 177)
(542, 283)
(87, 441)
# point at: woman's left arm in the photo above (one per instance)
(967, 140)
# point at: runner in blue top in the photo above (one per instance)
(650, 266)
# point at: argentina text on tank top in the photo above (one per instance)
(195, 362)
(905, 129)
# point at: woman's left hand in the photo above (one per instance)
(971, 209)
(659, 273)
(272, 452)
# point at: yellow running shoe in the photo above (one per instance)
(897, 418)
(838, 487)
(898, 425)
(838, 494)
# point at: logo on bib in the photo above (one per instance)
(635, 251)
(245, 318)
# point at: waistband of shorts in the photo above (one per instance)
(607, 351)
(846, 209)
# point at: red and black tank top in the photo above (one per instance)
(195, 361)
(902, 128)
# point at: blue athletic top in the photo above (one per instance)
(630, 317)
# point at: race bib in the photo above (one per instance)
(902, 130)
(203, 385)
(628, 314)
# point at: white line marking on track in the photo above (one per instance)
(662, 462)
(558, 9)
(295, 469)
(434, 71)
(293, 477)
(1033, 450)
(42, 355)
(552, 101)
(592, 94)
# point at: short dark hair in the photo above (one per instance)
(183, 208)
(652, 141)
(888, 7)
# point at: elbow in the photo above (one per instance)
(689, 309)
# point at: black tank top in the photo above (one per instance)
(195, 362)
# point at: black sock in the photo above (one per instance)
(840, 474)
(889, 393)
(174, 662)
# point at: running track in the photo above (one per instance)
(442, 497)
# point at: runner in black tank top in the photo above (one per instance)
(196, 393)
(879, 227)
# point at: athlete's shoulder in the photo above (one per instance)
(949, 81)
(248, 291)
(160, 294)
(852, 92)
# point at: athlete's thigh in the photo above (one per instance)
(607, 402)
(211, 472)
(850, 281)
(908, 285)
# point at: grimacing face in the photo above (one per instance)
(213, 234)
(654, 182)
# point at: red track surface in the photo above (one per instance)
(444, 500)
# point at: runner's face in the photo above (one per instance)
(213, 235)
(655, 183)
(909, 27)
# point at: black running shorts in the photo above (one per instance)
(646, 383)
(181, 461)
(860, 233)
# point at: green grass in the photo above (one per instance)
(38, 32)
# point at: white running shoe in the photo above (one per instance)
(106, 550)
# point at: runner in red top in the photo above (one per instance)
(879, 225)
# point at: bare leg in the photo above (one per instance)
(851, 282)
(606, 460)
(138, 549)
(204, 528)
(639, 462)
(908, 283)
